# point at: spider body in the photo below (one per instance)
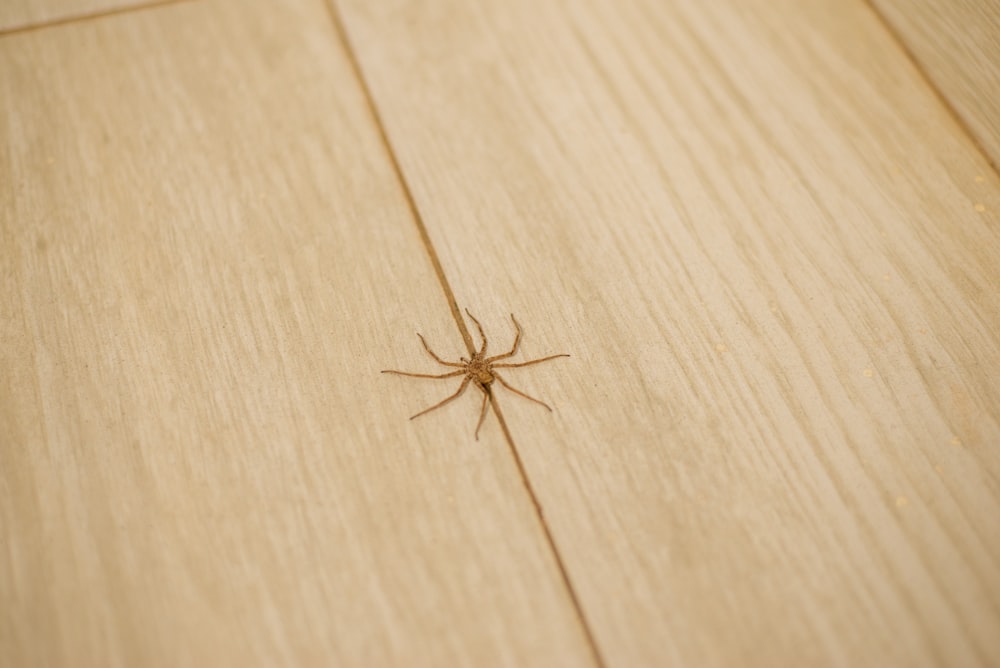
(480, 370)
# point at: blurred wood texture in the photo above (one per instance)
(957, 44)
(769, 245)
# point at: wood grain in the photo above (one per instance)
(206, 260)
(774, 257)
(957, 43)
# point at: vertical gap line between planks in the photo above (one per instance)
(88, 16)
(897, 37)
(341, 31)
(563, 573)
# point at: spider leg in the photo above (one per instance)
(482, 351)
(513, 348)
(515, 391)
(424, 375)
(434, 355)
(482, 413)
(442, 403)
(544, 359)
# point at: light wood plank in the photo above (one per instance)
(206, 260)
(774, 258)
(957, 43)
(20, 14)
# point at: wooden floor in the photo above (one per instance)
(766, 232)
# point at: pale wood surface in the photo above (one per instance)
(756, 230)
(771, 251)
(206, 261)
(20, 14)
(957, 43)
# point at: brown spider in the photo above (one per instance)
(480, 369)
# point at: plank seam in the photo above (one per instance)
(341, 31)
(955, 114)
(87, 17)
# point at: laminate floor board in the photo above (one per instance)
(774, 256)
(207, 259)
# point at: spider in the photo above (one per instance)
(480, 369)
